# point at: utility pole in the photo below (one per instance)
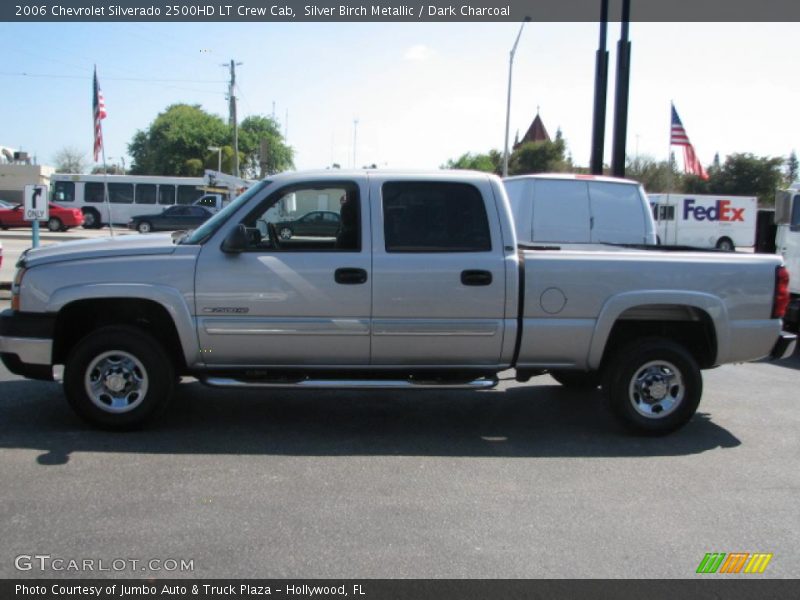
(355, 137)
(508, 98)
(232, 115)
(600, 94)
(623, 83)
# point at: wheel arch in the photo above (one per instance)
(695, 320)
(160, 311)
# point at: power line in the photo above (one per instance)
(105, 78)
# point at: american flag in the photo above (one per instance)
(99, 104)
(678, 137)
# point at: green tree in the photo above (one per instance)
(70, 160)
(177, 141)
(491, 162)
(792, 168)
(110, 170)
(279, 157)
(539, 157)
(742, 174)
(655, 176)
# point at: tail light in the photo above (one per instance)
(781, 300)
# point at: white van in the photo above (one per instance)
(582, 209)
(724, 222)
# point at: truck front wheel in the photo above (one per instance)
(118, 377)
(653, 386)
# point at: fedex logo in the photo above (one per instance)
(721, 211)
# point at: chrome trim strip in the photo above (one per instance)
(250, 326)
(32, 351)
(438, 328)
(226, 382)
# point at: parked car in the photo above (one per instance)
(172, 219)
(7, 204)
(318, 223)
(60, 218)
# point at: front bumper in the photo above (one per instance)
(784, 347)
(26, 343)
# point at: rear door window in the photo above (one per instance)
(561, 211)
(434, 217)
(617, 215)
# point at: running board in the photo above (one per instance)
(352, 384)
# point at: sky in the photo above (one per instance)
(422, 93)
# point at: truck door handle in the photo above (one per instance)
(476, 277)
(347, 276)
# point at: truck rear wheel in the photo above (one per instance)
(725, 244)
(118, 377)
(653, 386)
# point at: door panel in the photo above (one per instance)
(423, 313)
(284, 306)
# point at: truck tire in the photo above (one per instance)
(578, 380)
(91, 219)
(725, 244)
(653, 386)
(118, 377)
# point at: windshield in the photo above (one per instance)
(207, 229)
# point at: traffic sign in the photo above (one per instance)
(36, 204)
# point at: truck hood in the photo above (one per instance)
(124, 245)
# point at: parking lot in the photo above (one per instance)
(521, 481)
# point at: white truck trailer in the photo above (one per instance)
(701, 221)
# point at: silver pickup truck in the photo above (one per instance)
(421, 284)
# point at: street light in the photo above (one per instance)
(508, 102)
(218, 150)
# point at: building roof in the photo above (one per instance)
(536, 132)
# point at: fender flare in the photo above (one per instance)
(618, 304)
(168, 298)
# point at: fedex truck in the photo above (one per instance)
(724, 222)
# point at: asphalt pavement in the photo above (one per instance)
(522, 481)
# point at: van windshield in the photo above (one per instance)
(207, 229)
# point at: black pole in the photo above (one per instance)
(621, 100)
(600, 93)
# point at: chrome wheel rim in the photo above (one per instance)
(54, 224)
(656, 389)
(89, 219)
(286, 233)
(144, 228)
(116, 382)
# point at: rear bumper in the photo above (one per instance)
(784, 347)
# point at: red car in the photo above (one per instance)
(60, 219)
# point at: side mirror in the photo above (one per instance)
(236, 241)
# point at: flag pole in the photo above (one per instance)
(98, 105)
(105, 191)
